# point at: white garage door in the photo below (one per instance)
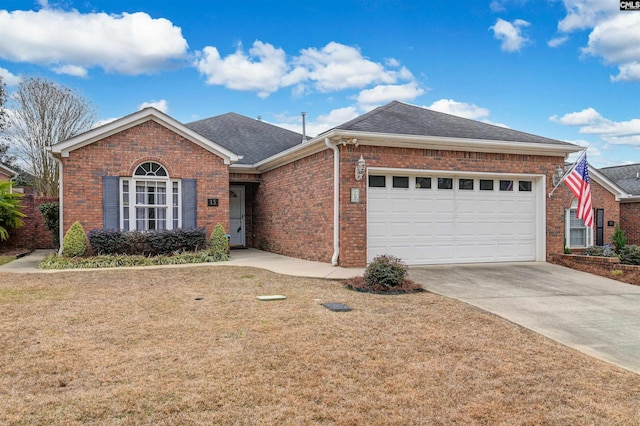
(451, 219)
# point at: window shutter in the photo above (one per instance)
(110, 202)
(189, 197)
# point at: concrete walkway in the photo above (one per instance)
(595, 315)
(243, 257)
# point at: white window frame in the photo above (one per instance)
(567, 231)
(133, 206)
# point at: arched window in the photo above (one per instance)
(577, 235)
(150, 199)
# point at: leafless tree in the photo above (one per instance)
(44, 114)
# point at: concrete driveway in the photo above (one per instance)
(595, 315)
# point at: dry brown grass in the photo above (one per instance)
(135, 347)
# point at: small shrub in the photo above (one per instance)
(219, 244)
(630, 255)
(385, 270)
(618, 239)
(166, 242)
(107, 241)
(153, 243)
(75, 241)
(616, 273)
(51, 214)
(602, 251)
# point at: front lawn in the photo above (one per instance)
(194, 346)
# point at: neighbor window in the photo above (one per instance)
(577, 235)
(150, 200)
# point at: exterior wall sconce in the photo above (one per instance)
(556, 178)
(360, 168)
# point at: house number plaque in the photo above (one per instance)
(212, 202)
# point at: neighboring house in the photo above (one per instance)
(425, 186)
(6, 174)
(627, 179)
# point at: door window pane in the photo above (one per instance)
(524, 186)
(423, 182)
(445, 183)
(400, 181)
(465, 184)
(506, 185)
(486, 184)
(377, 181)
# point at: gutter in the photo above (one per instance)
(336, 201)
(60, 201)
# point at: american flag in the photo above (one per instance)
(578, 183)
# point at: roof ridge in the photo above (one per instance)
(366, 115)
(619, 165)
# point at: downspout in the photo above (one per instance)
(336, 201)
(60, 201)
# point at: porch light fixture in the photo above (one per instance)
(360, 168)
(557, 176)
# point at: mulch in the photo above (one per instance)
(359, 284)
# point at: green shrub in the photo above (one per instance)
(75, 241)
(603, 251)
(618, 239)
(219, 244)
(385, 270)
(54, 261)
(153, 243)
(10, 214)
(51, 214)
(630, 255)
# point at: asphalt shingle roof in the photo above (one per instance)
(627, 177)
(253, 139)
(400, 118)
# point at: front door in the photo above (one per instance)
(236, 216)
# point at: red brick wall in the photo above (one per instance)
(34, 234)
(294, 209)
(609, 267)
(121, 153)
(353, 228)
(630, 222)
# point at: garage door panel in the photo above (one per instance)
(426, 226)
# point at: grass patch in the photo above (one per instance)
(6, 259)
(194, 346)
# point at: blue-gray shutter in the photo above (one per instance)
(110, 202)
(189, 198)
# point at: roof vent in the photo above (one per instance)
(304, 127)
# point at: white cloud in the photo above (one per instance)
(8, 78)
(262, 69)
(558, 41)
(461, 109)
(161, 105)
(613, 132)
(628, 72)
(127, 43)
(266, 69)
(73, 70)
(382, 94)
(510, 34)
(585, 14)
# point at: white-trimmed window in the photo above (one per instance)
(577, 235)
(150, 200)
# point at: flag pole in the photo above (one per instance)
(573, 166)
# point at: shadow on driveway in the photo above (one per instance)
(598, 316)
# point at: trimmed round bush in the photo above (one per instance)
(385, 270)
(219, 244)
(74, 243)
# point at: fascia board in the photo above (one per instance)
(455, 144)
(64, 148)
(10, 171)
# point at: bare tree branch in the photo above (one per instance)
(45, 114)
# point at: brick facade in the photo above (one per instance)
(121, 153)
(630, 221)
(34, 234)
(294, 209)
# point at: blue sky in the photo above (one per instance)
(565, 69)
